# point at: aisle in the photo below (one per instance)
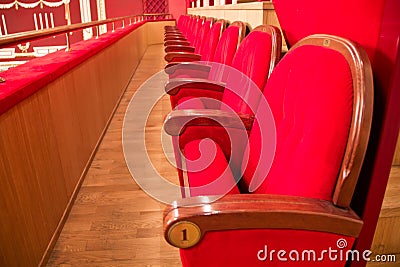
(113, 222)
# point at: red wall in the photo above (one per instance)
(177, 8)
(22, 20)
(121, 8)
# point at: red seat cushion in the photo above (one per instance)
(208, 171)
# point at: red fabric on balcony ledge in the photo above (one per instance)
(24, 80)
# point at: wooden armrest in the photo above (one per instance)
(250, 211)
(171, 30)
(176, 42)
(172, 67)
(179, 48)
(178, 120)
(173, 33)
(173, 86)
(175, 38)
(186, 57)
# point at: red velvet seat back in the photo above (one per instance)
(201, 37)
(375, 25)
(189, 25)
(228, 43)
(310, 94)
(193, 32)
(255, 58)
(181, 22)
(226, 49)
(211, 41)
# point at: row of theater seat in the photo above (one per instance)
(246, 121)
(226, 49)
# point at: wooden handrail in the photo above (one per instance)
(17, 38)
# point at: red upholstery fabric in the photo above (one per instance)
(204, 182)
(224, 53)
(380, 38)
(190, 26)
(241, 247)
(194, 31)
(251, 67)
(253, 59)
(310, 95)
(342, 18)
(227, 46)
(210, 42)
(201, 37)
(205, 45)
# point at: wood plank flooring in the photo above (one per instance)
(113, 222)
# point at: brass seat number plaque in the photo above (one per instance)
(184, 234)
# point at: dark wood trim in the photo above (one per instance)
(179, 48)
(186, 56)
(234, 212)
(171, 68)
(174, 37)
(176, 42)
(173, 86)
(178, 120)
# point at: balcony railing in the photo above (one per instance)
(15, 59)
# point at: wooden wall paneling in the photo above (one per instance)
(47, 172)
(10, 203)
(43, 155)
(47, 142)
(26, 199)
(65, 120)
(141, 44)
(155, 33)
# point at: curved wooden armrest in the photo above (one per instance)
(175, 38)
(172, 30)
(178, 120)
(179, 48)
(186, 57)
(204, 69)
(234, 212)
(176, 42)
(173, 86)
(173, 33)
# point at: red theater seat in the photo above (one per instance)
(179, 25)
(252, 64)
(380, 39)
(201, 49)
(296, 194)
(223, 55)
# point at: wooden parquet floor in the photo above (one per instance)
(113, 222)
